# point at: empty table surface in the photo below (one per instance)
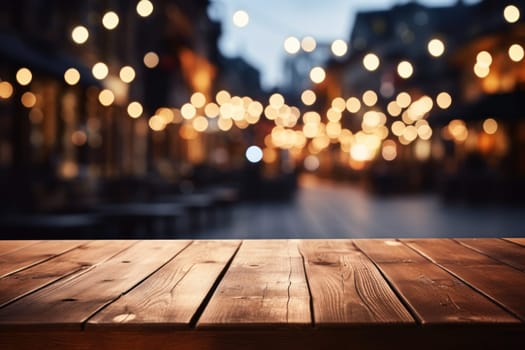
(282, 294)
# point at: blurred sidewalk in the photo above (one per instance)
(322, 209)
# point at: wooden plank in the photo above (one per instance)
(71, 301)
(362, 338)
(520, 241)
(503, 284)
(264, 286)
(81, 258)
(172, 296)
(498, 249)
(6, 246)
(434, 295)
(346, 287)
(33, 254)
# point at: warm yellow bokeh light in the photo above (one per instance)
(6, 90)
(516, 52)
(481, 71)
(71, 76)
(78, 137)
(276, 101)
(483, 59)
(24, 76)
(317, 75)
(389, 150)
(211, 110)
(436, 47)
(28, 99)
(405, 69)
(353, 105)
(371, 62)
(188, 111)
(339, 47)
(223, 97)
(135, 109)
(308, 44)
(308, 97)
(156, 123)
(444, 100)
(100, 70)
(403, 99)
(369, 98)
(144, 8)
(127, 74)
(292, 45)
(200, 123)
(106, 97)
(490, 126)
(80, 34)
(110, 20)
(198, 99)
(225, 124)
(241, 18)
(393, 109)
(151, 59)
(511, 14)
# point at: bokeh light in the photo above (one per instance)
(308, 97)
(339, 47)
(405, 69)
(24, 76)
(254, 154)
(127, 74)
(100, 70)
(292, 45)
(110, 20)
(72, 76)
(28, 99)
(80, 34)
(151, 59)
(511, 14)
(135, 109)
(490, 126)
(371, 62)
(6, 90)
(106, 97)
(144, 8)
(241, 18)
(516, 52)
(308, 44)
(436, 47)
(444, 100)
(317, 75)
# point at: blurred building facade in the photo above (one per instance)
(439, 108)
(90, 93)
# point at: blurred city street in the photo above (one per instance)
(332, 210)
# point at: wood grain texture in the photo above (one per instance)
(81, 258)
(71, 301)
(346, 287)
(520, 241)
(433, 294)
(264, 286)
(498, 249)
(33, 254)
(172, 296)
(502, 283)
(9, 246)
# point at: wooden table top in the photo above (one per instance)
(228, 294)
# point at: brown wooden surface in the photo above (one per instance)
(498, 249)
(29, 255)
(264, 286)
(347, 288)
(280, 294)
(81, 258)
(435, 296)
(70, 301)
(520, 241)
(502, 283)
(172, 296)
